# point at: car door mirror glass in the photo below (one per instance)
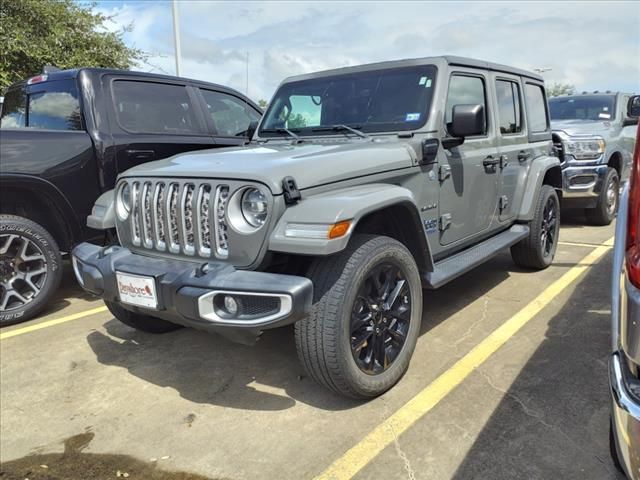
(467, 121)
(633, 107)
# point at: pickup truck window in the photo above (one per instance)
(537, 112)
(231, 116)
(589, 107)
(150, 107)
(509, 109)
(49, 106)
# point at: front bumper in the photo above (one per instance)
(625, 391)
(186, 290)
(582, 184)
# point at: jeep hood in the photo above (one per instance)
(310, 164)
(581, 127)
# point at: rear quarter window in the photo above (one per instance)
(536, 108)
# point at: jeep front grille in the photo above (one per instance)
(182, 218)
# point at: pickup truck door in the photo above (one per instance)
(155, 119)
(515, 152)
(468, 173)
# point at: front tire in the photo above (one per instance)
(364, 324)
(144, 323)
(538, 249)
(30, 269)
(607, 207)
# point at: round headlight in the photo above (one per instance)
(254, 207)
(123, 202)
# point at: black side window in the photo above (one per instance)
(536, 108)
(148, 107)
(465, 90)
(231, 116)
(509, 111)
(49, 105)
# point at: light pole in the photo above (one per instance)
(176, 37)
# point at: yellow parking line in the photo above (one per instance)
(608, 243)
(357, 457)
(51, 323)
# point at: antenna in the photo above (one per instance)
(246, 91)
(176, 37)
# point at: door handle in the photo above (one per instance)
(523, 156)
(141, 154)
(490, 161)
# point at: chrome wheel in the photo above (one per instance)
(549, 230)
(23, 271)
(380, 318)
(612, 197)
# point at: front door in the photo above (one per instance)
(469, 173)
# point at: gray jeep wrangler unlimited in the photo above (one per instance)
(594, 135)
(361, 186)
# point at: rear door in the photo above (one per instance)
(469, 173)
(514, 151)
(154, 119)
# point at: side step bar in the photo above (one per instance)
(456, 265)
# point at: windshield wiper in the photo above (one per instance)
(283, 130)
(338, 128)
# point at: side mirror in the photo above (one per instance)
(633, 107)
(251, 129)
(467, 120)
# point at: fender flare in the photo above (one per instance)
(352, 203)
(51, 195)
(537, 172)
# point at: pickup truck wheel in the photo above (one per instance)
(144, 323)
(365, 319)
(30, 268)
(539, 248)
(607, 207)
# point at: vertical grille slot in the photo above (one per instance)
(158, 216)
(203, 221)
(147, 237)
(171, 218)
(187, 218)
(135, 214)
(220, 223)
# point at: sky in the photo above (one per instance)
(592, 45)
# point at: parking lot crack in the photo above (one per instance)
(411, 475)
(481, 319)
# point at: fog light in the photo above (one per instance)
(230, 305)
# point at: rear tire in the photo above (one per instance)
(538, 249)
(607, 207)
(356, 341)
(144, 323)
(26, 248)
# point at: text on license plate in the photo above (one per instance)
(137, 290)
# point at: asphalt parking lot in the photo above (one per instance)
(93, 398)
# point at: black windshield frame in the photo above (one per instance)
(583, 101)
(362, 93)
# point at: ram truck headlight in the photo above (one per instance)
(584, 148)
(123, 201)
(254, 207)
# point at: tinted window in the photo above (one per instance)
(509, 117)
(589, 107)
(154, 108)
(231, 116)
(536, 109)
(372, 101)
(465, 90)
(49, 105)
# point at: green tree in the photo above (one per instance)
(35, 33)
(263, 104)
(296, 121)
(557, 89)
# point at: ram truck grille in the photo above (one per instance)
(181, 218)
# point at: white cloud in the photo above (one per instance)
(594, 45)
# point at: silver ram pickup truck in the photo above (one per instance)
(360, 187)
(594, 137)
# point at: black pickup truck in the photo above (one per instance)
(64, 138)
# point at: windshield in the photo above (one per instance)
(373, 101)
(592, 107)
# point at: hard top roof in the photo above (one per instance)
(411, 62)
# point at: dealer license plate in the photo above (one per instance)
(137, 290)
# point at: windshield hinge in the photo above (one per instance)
(444, 172)
(291, 193)
(445, 221)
